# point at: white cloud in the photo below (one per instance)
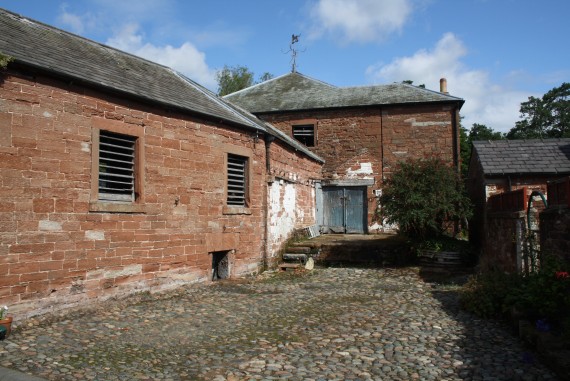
(485, 102)
(77, 24)
(186, 58)
(360, 21)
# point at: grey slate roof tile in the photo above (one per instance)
(44, 47)
(535, 156)
(295, 91)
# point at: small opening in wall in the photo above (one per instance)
(220, 265)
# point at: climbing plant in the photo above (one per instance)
(5, 60)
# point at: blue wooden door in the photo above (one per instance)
(344, 210)
(354, 209)
(333, 213)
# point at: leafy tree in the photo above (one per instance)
(464, 150)
(232, 79)
(546, 117)
(410, 82)
(423, 196)
(265, 77)
(467, 137)
(482, 132)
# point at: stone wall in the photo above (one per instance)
(367, 143)
(555, 232)
(503, 243)
(60, 247)
(291, 197)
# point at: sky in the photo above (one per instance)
(494, 53)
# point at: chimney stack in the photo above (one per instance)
(443, 86)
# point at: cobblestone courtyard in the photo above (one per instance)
(328, 324)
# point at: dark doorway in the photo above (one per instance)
(220, 265)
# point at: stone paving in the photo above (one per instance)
(328, 324)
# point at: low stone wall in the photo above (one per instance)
(555, 232)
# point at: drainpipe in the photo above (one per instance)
(268, 140)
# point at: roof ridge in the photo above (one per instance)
(401, 84)
(277, 78)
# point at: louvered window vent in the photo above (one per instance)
(116, 167)
(305, 134)
(237, 180)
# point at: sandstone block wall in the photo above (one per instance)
(367, 143)
(57, 250)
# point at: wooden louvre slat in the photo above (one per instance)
(237, 180)
(116, 167)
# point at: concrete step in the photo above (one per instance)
(299, 249)
(293, 257)
(290, 266)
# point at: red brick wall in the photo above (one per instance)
(367, 143)
(417, 132)
(56, 253)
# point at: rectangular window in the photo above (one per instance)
(237, 181)
(116, 167)
(305, 134)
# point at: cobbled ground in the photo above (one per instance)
(328, 324)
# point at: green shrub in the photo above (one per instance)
(543, 295)
(486, 294)
(424, 196)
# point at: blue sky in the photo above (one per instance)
(494, 53)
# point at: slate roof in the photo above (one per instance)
(295, 91)
(44, 47)
(533, 157)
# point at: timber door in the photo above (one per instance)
(344, 210)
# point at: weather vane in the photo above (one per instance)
(293, 51)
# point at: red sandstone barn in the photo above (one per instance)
(361, 132)
(120, 175)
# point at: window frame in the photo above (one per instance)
(305, 123)
(231, 173)
(117, 127)
(247, 155)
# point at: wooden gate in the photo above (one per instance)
(344, 210)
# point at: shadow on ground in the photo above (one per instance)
(446, 288)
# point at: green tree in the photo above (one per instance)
(546, 117)
(410, 82)
(482, 132)
(265, 77)
(467, 137)
(235, 78)
(232, 79)
(464, 150)
(423, 196)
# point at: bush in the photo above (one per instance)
(542, 296)
(424, 196)
(486, 295)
